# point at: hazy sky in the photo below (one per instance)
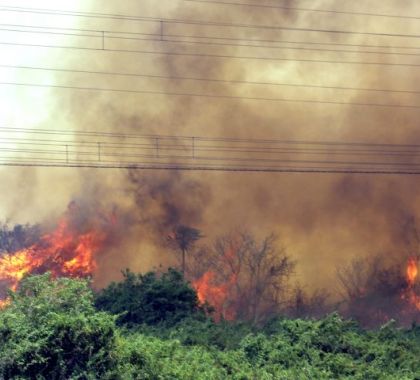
(322, 218)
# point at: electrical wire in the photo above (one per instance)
(135, 18)
(114, 135)
(211, 80)
(185, 167)
(214, 96)
(161, 143)
(100, 155)
(199, 22)
(163, 38)
(179, 54)
(213, 154)
(300, 9)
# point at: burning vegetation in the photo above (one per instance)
(238, 277)
(375, 292)
(412, 275)
(68, 251)
(241, 277)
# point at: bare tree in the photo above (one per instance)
(253, 275)
(373, 292)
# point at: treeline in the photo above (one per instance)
(152, 326)
(258, 282)
(253, 280)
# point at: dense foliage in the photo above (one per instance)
(150, 299)
(290, 349)
(51, 330)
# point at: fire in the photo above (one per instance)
(215, 294)
(217, 291)
(69, 251)
(412, 273)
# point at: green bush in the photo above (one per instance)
(201, 332)
(52, 331)
(150, 299)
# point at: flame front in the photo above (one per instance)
(412, 273)
(218, 291)
(68, 251)
(216, 295)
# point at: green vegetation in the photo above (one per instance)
(149, 299)
(51, 330)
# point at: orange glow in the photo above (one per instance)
(67, 251)
(4, 303)
(218, 290)
(215, 294)
(412, 270)
(412, 273)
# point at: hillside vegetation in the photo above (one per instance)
(153, 327)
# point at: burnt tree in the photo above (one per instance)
(183, 238)
(254, 275)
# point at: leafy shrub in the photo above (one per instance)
(150, 299)
(52, 331)
(204, 332)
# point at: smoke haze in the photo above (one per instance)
(322, 219)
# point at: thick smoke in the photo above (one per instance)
(324, 220)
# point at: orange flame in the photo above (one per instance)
(4, 303)
(216, 294)
(412, 273)
(218, 290)
(68, 251)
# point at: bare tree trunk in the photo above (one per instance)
(183, 261)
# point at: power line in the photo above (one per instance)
(211, 80)
(104, 153)
(114, 135)
(207, 23)
(163, 38)
(286, 42)
(166, 152)
(166, 167)
(208, 161)
(233, 97)
(204, 148)
(199, 167)
(299, 9)
(90, 147)
(31, 31)
(198, 142)
(218, 56)
(59, 12)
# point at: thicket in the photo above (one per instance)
(52, 330)
(150, 299)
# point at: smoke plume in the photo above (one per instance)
(324, 220)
